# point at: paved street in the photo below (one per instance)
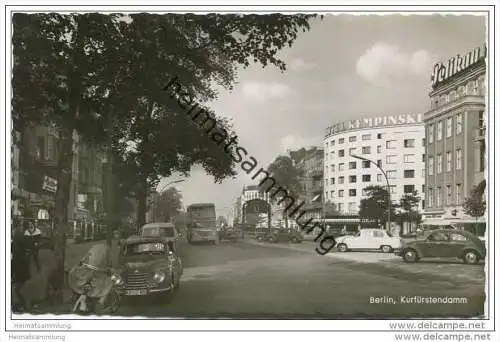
(247, 280)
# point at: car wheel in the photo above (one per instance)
(471, 257)
(410, 255)
(386, 249)
(342, 247)
(294, 240)
(259, 238)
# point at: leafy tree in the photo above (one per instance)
(102, 76)
(376, 205)
(475, 204)
(330, 209)
(408, 205)
(287, 176)
(168, 204)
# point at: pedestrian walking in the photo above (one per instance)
(32, 237)
(19, 269)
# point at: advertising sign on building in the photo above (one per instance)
(49, 184)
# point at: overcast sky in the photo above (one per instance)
(345, 67)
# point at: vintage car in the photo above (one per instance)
(229, 233)
(369, 239)
(280, 235)
(148, 266)
(165, 229)
(445, 243)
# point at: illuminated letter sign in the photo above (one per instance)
(456, 64)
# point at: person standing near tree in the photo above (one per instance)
(19, 268)
(32, 237)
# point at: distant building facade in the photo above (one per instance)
(395, 143)
(312, 183)
(455, 133)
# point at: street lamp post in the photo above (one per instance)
(170, 183)
(388, 186)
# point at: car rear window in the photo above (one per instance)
(158, 231)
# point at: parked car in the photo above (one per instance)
(280, 235)
(148, 266)
(369, 239)
(445, 243)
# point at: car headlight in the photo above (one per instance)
(116, 279)
(159, 276)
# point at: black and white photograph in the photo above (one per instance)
(249, 169)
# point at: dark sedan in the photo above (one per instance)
(445, 243)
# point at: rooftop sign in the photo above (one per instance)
(442, 72)
(381, 121)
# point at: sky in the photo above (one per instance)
(345, 67)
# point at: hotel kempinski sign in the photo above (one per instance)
(381, 121)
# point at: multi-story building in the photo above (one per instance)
(312, 182)
(394, 143)
(249, 193)
(455, 128)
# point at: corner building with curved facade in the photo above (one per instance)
(395, 143)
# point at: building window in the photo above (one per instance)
(352, 151)
(431, 133)
(439, 161)
(379, 135)
(390, 159)
(458, 192)
(333, 167)
(366, 137)
(341, 153)
(40, 148)
(326, 194)
(408, 189)
(341, 180)
(423, 142)
(341, 140)
(393, 189)
(409, 142)
(352, 138)
(481, 121)
(448, 194)
(459, 159)
(423, 188)
(352, 165)
(332, 180)
(391, 174)
(449, 126)
(332, 143)
(352, 192)
(459, 123)
(341, 207)
(367, 178)
(439, 131)
(409, 158)
(423, 158)
(390, 144)
(341, 193)
(431, 166)
(366, 164)
(352, 207)
(366, 150)
(379, 163)
(438, 197)
(379, 149)
(409, 174)
(430, 197)
(379, 177)
(352, 179)
(326, 144)
(448, 161)
(341, 167)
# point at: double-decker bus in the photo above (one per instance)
(201, 223)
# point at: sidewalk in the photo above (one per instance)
(35, 289)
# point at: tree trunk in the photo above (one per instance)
(142, 203)
(61, 206)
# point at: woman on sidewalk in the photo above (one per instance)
(32, 237)
(19, 269)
